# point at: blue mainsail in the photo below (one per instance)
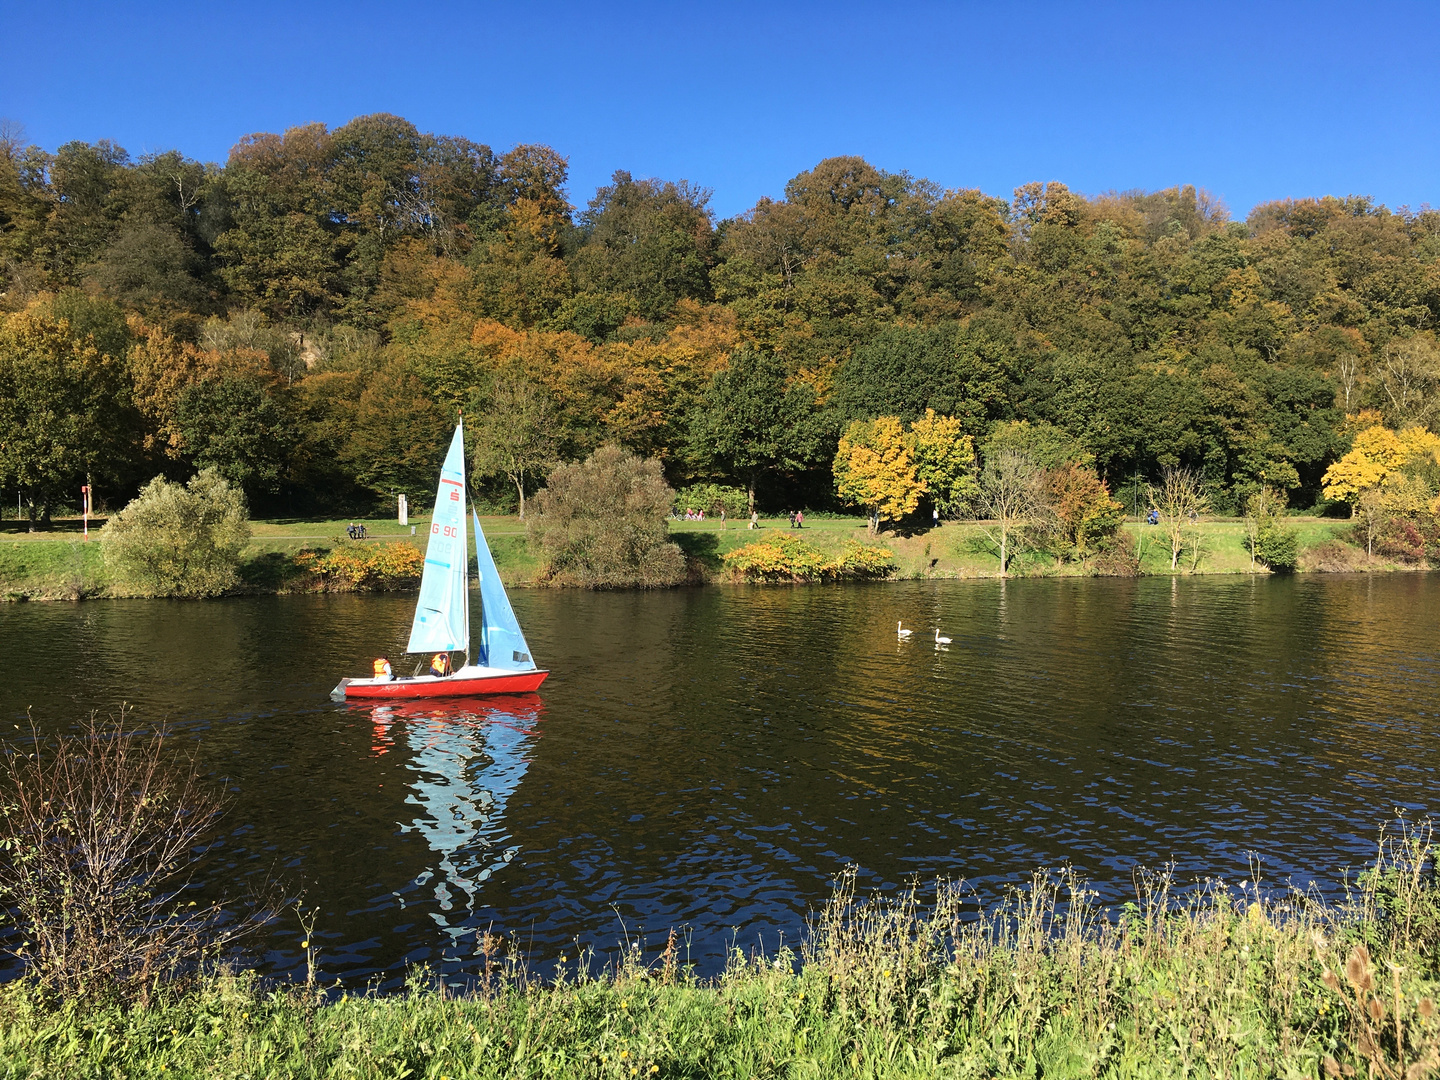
(442, 615)
(502, 645)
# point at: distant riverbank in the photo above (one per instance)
(59, 564)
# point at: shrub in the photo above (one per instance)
(351, 567)
(1076, 514)
(778, 558)
(600, 524)
(1400, 540)
(99, 830)
(179, 539)
(786, 558)
(1331, 557)
(1117, 557)
(1278, 548)
(863, 561)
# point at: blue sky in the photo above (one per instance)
(1251, 101)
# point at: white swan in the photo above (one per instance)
(940, 640)
(900, 630)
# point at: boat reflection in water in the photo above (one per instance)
(468, 757)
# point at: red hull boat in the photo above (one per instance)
(467, 682)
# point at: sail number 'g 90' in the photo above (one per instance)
(449, 530)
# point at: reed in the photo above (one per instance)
(1212, 980)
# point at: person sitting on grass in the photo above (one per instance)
(440, 665)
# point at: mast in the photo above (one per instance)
(464, 541)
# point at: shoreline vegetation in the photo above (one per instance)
(1212, 980)
(286, 556)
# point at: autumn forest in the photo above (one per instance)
(309, 317)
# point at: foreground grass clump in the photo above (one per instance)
(782, 557)
(100, 831)
(1216, 983)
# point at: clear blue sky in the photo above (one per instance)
(1253, 101)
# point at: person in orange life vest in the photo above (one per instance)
(382, 669)
(440, 665)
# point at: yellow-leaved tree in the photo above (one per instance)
(1376, 463)
(875, 468)
(944, 461)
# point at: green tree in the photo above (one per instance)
(517, 436)
(65, 413)
(1261, 510)
(232, 424)
(905, 370)
(397, 436)
(753, 419)
(151, 268)
(649, 240)
(179, 540)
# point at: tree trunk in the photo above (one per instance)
(520, 487)
(1004, 550)
(750, 494)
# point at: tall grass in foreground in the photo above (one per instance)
(1215, 982)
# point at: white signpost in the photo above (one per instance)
(404, 511)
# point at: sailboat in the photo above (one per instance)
(442, 614)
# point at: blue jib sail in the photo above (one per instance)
(501, 645)
(442, 616)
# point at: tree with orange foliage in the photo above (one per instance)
(1078, 511)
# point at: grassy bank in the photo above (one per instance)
(1222, 982)
(60, 564)
(961, 549)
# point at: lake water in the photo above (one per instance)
(708, 759)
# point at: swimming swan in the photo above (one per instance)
(900, 630)
(940, 640)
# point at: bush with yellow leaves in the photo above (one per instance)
(358, 567)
